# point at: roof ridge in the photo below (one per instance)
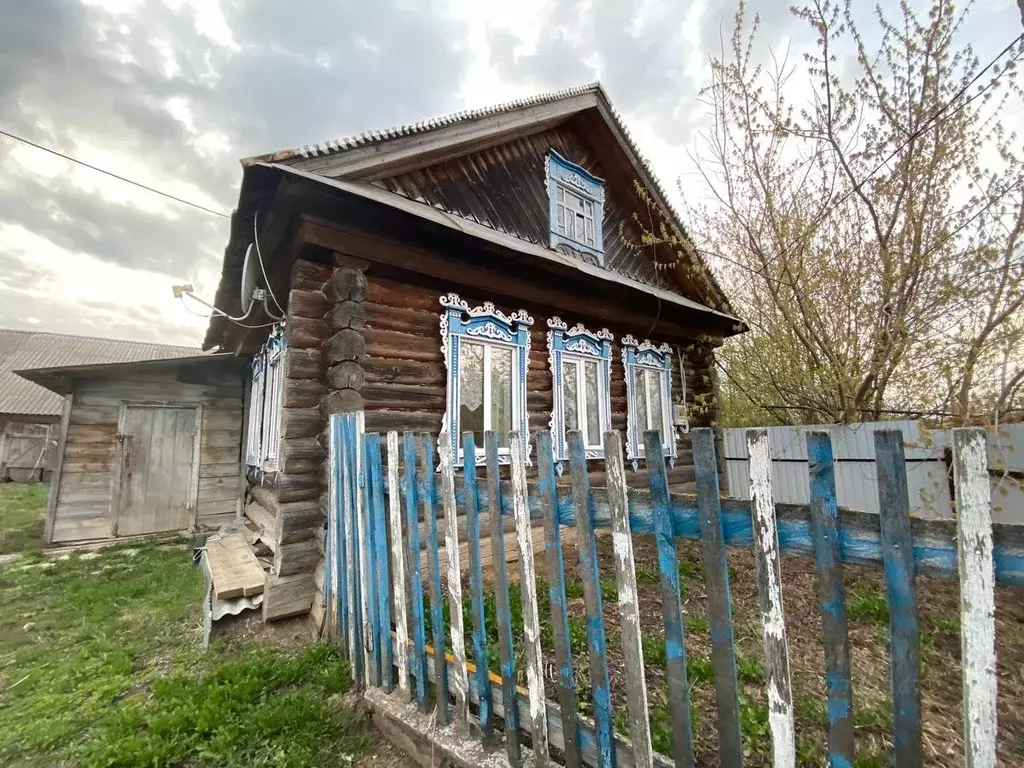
(96, 338)
(332, 146)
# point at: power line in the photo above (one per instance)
(113, 175)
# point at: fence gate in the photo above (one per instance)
(402, 531)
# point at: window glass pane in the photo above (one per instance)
(560, 194)
(654, 379)
(579, 227)
(588, 208)
(569, 384)
(501, 392)
(589, 231)
(592, 403)
(471, 391)
(639, 394)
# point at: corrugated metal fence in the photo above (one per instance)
(410, 642)
(928, 466)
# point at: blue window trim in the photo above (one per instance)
(560, 172)
(577, 342)
(482, 325)
(645, 355)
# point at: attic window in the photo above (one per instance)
(576, 200)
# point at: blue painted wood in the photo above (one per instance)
(859, 537)
(369, 549)
(671, 603)
(898, 567)
(506, 648)
(418, 659)
(832, 597)
(476, 589)
(339, 544)
(375, 477)
(590, 575)
(716, 571)
(556, 587)
(427, 483)
(350, 431)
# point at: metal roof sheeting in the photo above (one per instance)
(20, 350)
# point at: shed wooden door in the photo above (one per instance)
(158, 456)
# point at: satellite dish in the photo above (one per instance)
(249, 271)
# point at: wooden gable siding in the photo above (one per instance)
(505, 188)
(404, 371)
(86, 485)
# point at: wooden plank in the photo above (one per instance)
(556, 577)
(349, 431)
(364, 544)
(375, 479)
(236, 571)
(716, 571)
(419, 658)
(977, 595)
(769, 596)
(457, 681)
(528, 591)
(671, 606)
(629, 609)
(399, 568)
(506, 649)
(832, 598)
(285, 596)
(898, 562)
(426, 484)
(296, 557)
(596, 642)
(476, 590)
(51, 501)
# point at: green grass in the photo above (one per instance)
(101, 664)
(21, 516)
(870, 605)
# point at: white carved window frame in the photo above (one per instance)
(645, 356)
(575, 346)
(490, 328)
(263, 438)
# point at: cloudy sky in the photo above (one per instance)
(172, 92)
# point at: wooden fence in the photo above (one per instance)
(378, 606)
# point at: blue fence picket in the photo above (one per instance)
(832, 598)
(340, 548)
(415, 594)
(349, 453)
(898, 567)
(559, 616)
(506, 648)
(368, 545)
(476, 589)
(427, 496)
(596, 641)
(716, 571)
(671, 602)
(375, 480)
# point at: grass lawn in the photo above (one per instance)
(101, 664)
(21, 516)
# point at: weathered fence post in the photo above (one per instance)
(398, 563)
(629, 609)
(898, 566)
(716, 572)
(832, 598)
(977, 595)
(412, 521)
(528, 592)
(375, 479)
(427, 492)
(459, 680)
(769, 595)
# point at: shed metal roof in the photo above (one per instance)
(20, 350)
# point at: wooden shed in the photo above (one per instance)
(482, 271)
(145, 447)
(29, 413)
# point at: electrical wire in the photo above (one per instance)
(259, 256)
(219, 312)
(113, 175)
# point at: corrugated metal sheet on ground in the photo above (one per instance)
(928, 481)
(20, 350)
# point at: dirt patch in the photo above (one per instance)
(248, 627)
(941, 682)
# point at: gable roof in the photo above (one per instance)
(371, 155)
(21, 350)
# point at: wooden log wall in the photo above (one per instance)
(403, 370)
